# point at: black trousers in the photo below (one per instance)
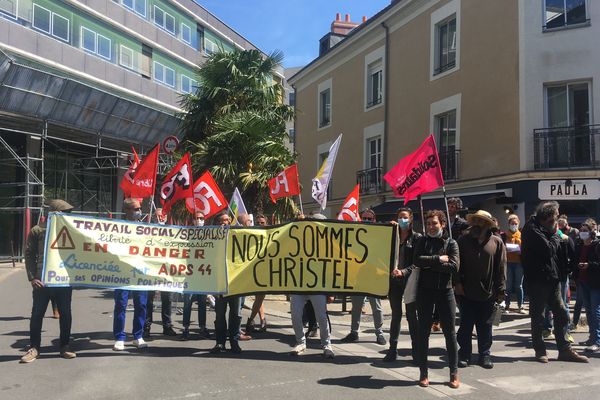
(41, 298)
(444, 302)
(166, 299)
(540, 295)
(395, 296)
(475, 314)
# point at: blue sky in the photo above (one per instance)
(293, 26)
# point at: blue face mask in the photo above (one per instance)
(404, 223)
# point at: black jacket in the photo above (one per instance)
(539, 253)
(593, 263)
(407, 260)
(435, 274)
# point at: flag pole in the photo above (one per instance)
(447, 211)
(422, 213)
(300, 199)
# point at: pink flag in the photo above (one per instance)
(417, 173)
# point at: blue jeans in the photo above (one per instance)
(139, 313)
(41, 298)
(221, 322)
(514, 283)
(474, 314)
(188, 300)
(591, 301)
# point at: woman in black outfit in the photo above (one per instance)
(437, 258)
(399, 282)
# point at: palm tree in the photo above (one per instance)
(235, 125)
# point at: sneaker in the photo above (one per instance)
(522, 310)
(454, 382)
(486, 362)
(464, 363)
(185, 335)
(570, 338)
(140, 343)
(66, 353)
(328, 352)
(381, 340)
(571, 355)
(299, 349)
(547, 334)
(593, 348)
(542, 357)
(235, 347)
(211, 301)
(218, 348)
(169, 331)
(350, 338)
(31, 355)
(119, 345)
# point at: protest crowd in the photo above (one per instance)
(458, 275)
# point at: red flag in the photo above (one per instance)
(350, 208)
(127, 180)
(177, 184)
(285, 184)
(144, 177)
(207, 197)
(417, 173)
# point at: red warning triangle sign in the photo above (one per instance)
(63, 240)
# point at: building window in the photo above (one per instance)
(51, 23)
(374, 152)
(9, 8)
(325, 108)
(445, 45)
(292, 135)
(164, 20)
(445, 126)
(126, 57)
(188, 85)
(292, 99)
(210, 47)
(562, 13)
(137, 6)
(568, 105)
(164, 74)
(374, 84)
(96, 43)
(186, 33)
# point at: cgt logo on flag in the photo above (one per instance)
(207, 198)
(285, 184)
(350, 208)
(177, 184)
(416, 173)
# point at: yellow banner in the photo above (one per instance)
(310, 256)
(93, 252)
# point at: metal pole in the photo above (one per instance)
(301, 207)
(447, 211)
(422, 213)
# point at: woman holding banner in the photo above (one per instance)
(403, 279)
(437, 257)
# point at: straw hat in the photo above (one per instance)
(59, 205)
(482, 216)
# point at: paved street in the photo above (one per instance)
(170, 369)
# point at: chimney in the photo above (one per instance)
(339, 30)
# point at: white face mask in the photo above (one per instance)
(199, 222)
(584, 235)
(137, 215)
(513, 228)
(438, 234)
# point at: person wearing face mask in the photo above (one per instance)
(133, 212)
(34, 264)
(188, 300)
(358, 302)
(587, 275)
(403, 279)
(540, 246)
(438, 259)
(481, 284)
(514, 270)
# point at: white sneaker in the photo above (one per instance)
(211, 300)
(299, 349)
(328, 352)
(140, 343)
(119, 345)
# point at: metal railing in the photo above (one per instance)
(444, 68)
(370, 180)
(567, 147)
(450, 163)
(375, 101)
